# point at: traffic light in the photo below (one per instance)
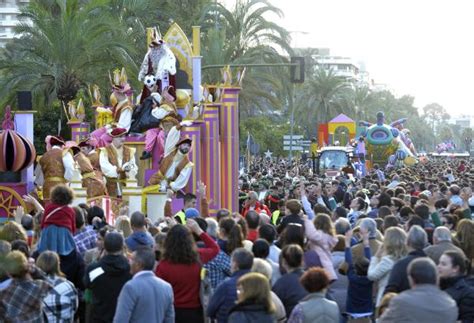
(297, 70)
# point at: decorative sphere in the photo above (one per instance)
(149, 81)
(17, 152)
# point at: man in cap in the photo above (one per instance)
(56, 166)
(175, 167)
(117, 162)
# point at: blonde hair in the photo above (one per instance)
(12, 231)
(48, 261)
(16, 264)
(384, 303)
(394, 243)
(123, 225)
(262, 266)
(255, 289)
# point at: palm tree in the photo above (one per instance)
(326, 87)
(244, 36)
(64, 45)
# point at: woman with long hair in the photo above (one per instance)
(392, 250)
(465, 236)
(230, 235)
(61, 303)
(254, 300)
(322, 239)
(180, 265)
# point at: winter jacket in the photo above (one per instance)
(398, 280)
(105, 279)
(463, 293)
(249, 313)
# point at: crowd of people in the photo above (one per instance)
(392, 246)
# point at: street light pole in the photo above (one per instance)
(292, 118)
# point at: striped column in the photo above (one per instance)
(229, 133)
(211, 163)
(79, 130)
(24, 125)
(195, 155)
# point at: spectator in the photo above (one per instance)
(5, 249)
(61, 303)
(442, 241)
(12, 231)
(27, 223)
(85, 237)
(424, 302)
(268, 232)
(321, 239)
(288, 288)
(338, 289)
(122, 224)
(22, 300)
(293, 209)
(94, 254)
(315, 307)
(358, 206)
(465, 234)
(145, 298)
(452, 273)
(261, 250)
(357, 250)
(253, 220)
(254, 302)
(263, 267)
(106, 277)
(359, 293)
(140, 236)
(231, 236)
(181, 267)
(226, 294)
(392, 250)
(416, 241)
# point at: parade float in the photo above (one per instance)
(211, 116)
(388, 145)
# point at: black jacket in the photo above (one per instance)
(463, 293)
(105, 279)
(398, 280)
(249, 313)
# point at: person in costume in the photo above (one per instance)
(175, 167)
(122, 110)
(156, 115)
(159, 62)
(92, 154)
(56, 166)
(117, 163)
(91, 180)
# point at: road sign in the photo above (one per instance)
(295, 137)
(294, 148)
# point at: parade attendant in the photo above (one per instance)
(175, 168)
(121, 113)
(117, 162)
(93, 183)
(56, 166)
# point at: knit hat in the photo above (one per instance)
(191, 213)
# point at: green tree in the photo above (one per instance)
(243, 35)
(64, 46)
(466, 138)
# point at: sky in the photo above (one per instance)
(417, 47)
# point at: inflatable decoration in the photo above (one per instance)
(17, 152)
(389, 144)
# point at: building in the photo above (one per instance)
(9, 10)
(462, 121)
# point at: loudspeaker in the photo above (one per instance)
(24, 100)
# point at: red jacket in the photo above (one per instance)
(259, 208)
(186, 279)
(63, 217)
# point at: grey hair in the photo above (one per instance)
(342, 225)
(242, 258)
(442, 234)
(212, 227)
(370, 225)
(253, 195)
(263, 267)
(417, 237)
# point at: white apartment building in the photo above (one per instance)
(9, 10)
